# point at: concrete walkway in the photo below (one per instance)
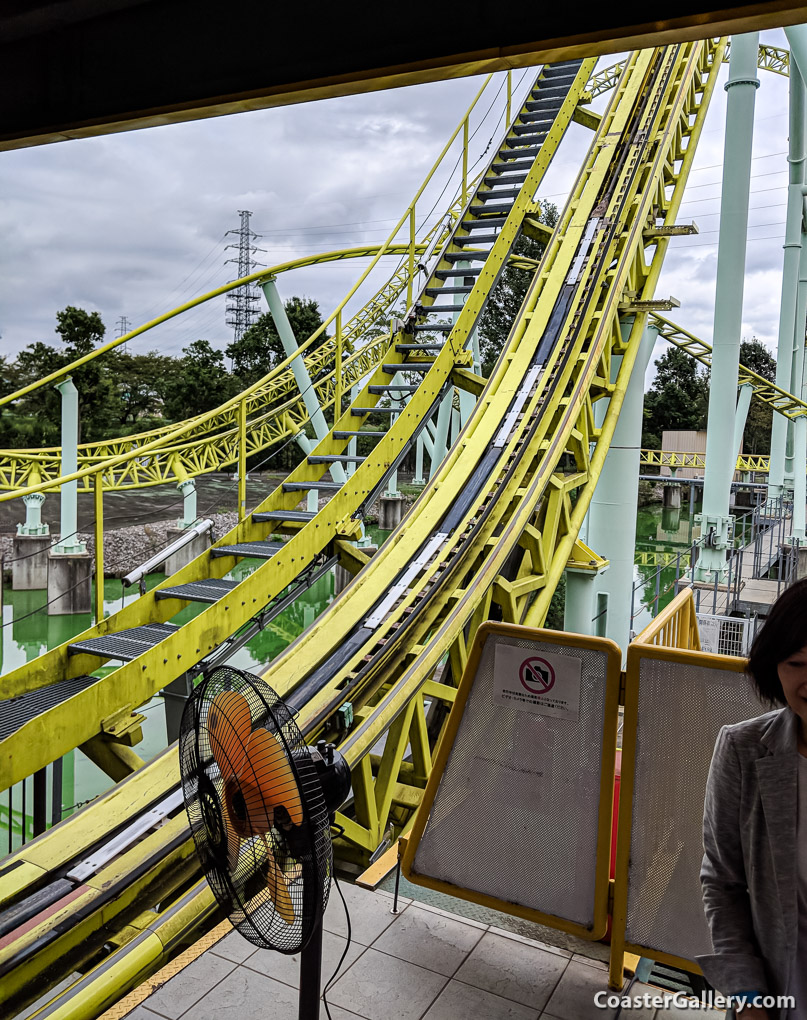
(421, 963)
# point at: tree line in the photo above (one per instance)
(121, 393)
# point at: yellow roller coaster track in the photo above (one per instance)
(490, 536)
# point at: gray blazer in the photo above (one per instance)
(749, 868)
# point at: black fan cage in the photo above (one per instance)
(269, 873)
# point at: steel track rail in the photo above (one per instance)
(517, 454)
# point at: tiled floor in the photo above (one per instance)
(421, 963)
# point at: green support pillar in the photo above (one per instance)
(188, 490)
(614, 507)
(780, 475)
(720, 457)
(741, 414)
(68, 517)
(301, 376)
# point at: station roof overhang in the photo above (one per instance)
(73, 68)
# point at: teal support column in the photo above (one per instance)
(312, 500)
(352, 443)
(614, 509)
(781, 432)
(301, 376)
(741, 414)
(188, 490)
(799, 426)
(578, 609)
(419, 479)
(33, 516)
(392, 481)
(441, 435)
(467, 405)
(68, 518)
(715, 519)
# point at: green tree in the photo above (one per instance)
(757, 435)
(677, 399)
(508, 294)
(198, 383)
(39, 413)
(260, 348)
(139, 380)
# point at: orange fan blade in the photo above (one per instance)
(267, 779)
(277, 888)
(233, 842)
(229, 725)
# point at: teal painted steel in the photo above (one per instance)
(68, 517)
(720, 457)
(614, 508)
(781, 472)
(302, 378)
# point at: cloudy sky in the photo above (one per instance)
(134, 224)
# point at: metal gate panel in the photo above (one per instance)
(517, 813)
(675, 704)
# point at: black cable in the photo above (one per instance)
(39, 609)
(344, 952)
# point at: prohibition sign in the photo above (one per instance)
(536, 675)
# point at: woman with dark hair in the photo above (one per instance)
(754, 871)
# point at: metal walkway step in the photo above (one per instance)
(307, 486)
(536, 139)
(16, 712)
(514, 153)
(393, 388)
(349, 435)
(405, 348)
(443, 274)
(361, 411)
(125, 644)
(485, 224)
(432, 327)
(529, 128)
(261, 550)
(335, 458)
(493, 207)
(477, 239)
(495, 180)
(210, 590)
(500, 195)
(466, 256)
(506, 168)
(292, 516)
(435, 291)
(420, 367)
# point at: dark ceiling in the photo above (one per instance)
(70, 68)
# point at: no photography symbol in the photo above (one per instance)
(536, 675)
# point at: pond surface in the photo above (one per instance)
(662, 536)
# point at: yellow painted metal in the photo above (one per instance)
(56, 730)
(671, 637)
(752, 462)
(17, 466)
(663, 96)
(601, 865)
(780, 400)
(242, 460)
(99, 546)
(770, 58)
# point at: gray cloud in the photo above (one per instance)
(134, 223)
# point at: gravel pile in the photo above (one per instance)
(127, 548)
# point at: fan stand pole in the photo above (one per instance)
(310, 975)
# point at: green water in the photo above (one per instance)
(27, 633)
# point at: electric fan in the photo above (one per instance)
(260, 802)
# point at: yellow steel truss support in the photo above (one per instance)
(516, 536)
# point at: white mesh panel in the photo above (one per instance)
(515, 816)
(681, 710)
